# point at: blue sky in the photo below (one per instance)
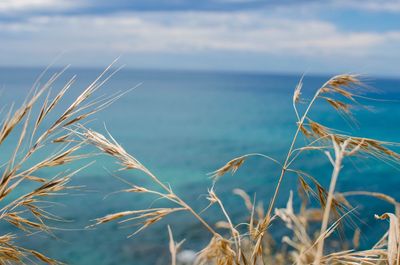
(271, 35)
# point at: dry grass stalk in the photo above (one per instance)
(112, 148)
(173, 246)
(393, 238)
(28, 211)
(217, 252)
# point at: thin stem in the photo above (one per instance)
(180, 201)
(267, 218)
(285, 164)
(184, 204)
(232, 228)
(264, 156)
(325, 218)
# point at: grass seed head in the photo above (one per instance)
(232, 166)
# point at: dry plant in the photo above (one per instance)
(302, 245)
(25, 187)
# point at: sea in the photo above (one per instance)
(182, 125)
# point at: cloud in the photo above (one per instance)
(370, 5)
(195, 31)
(11, 6)
(30, 8)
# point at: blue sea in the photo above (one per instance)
(185, 124)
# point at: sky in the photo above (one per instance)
(285, 36)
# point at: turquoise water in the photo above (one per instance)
(182, 125)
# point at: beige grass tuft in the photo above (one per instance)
(29, 210)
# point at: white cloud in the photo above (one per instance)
(191, 33)
(195, 31)
(10, 6)
(320, 8)
(370, 5)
